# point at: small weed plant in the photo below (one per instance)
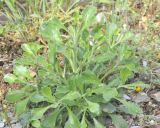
(78, 79)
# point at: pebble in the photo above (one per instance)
(126, 97)
(152, 122)
(157, 118)
(135, 127)
(156, 96)
(13, 120)
(17, 125)
(141, 97)
(1, 124)
(144, 63)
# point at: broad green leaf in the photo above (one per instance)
(31, 48)
(51, 52)
(36, 123)
(127, 36)
(47, 92)
(94, 107)
(111, 31)
(25, 60)
(42, 61)
(83, 121)
(136, 84)
(125, 73)
(107, 92)
(14, 96)
(98, 124)
(73, 121)
(10, 78)
(88, 16)
(37, 113)
(89, 77)
(50, 120)
(131, 108)
(118, 121)
(1, 29)
(73, 95)
(36, 98)
(21, 106)
(50, 29)
(104, 57)
(21, 71)
(109, 108)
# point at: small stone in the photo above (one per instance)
(135, 127)
(156, 96)
(126, 97)
(1, 124)
(152, 122)
(99, 17)
(141, 97)
(144, 63)
(17, 125)
(13, 120)
(157, 118)
(10, 114)
(157, 126)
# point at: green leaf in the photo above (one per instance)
(26, 59)
(10, 78)
(36, 98)
(72, 96)
(118, 121)
(132, 108)
(14, 96)
(51, 52)
(109, 108)
(21, 71)
(50, 120)
(125, 73)
(36, 123)
(111, 31)
(83, 122)
(93, 107)
(21, 106)
(42, 61)
(88, 16)
(50, 29)
(1, 29)
(47, 92)
(108, 55)
(73, 121)
(136, 84)
(31, 48)
(107, 92)
(98, 124)
(37, 113)
(89, 77)
(127, 36)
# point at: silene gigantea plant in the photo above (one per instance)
(79, 81)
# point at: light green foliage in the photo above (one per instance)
(77, 93)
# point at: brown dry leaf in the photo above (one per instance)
(32, 73)
(158, 56)
(143, 23)
(3, 90)
(60, 58)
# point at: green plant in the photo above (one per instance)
(80, 77)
